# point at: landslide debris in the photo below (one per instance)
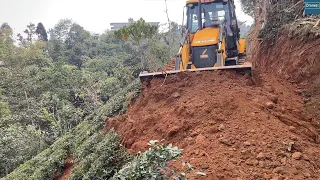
(293, 56)
(229, 126)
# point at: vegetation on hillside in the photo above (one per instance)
(277, 15)
(57, 86)
(67, 77)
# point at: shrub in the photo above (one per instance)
(152, 164)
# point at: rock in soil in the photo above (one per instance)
(173, 131)
(270, 105)
(261, 156)
(274, 98)
(200, 139)
(296, 155)
(221, 127)
(176, 95)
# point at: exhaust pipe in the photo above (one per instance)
(199, 15)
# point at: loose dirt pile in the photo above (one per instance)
(229, 125)
(293, 56)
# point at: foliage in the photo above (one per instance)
(156, 163)
(41, 32)
(88, 145)
(102, 159)
(137, 30)
(161, 46)
(6, 42)
(99, 156)
(276, 18)
(16, 144)
(248, 7)
(152, 164)
(44, 164)
(55, 92)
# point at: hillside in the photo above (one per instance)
(228, 125)
(55, 88)
(232, 126)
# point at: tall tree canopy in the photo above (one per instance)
(137, 30)
(41, 32)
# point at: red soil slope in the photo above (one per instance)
(295, 57)
(229, 125)
(68, 166)
(234, 127)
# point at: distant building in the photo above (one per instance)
(119, 25)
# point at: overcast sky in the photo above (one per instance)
(93, 15)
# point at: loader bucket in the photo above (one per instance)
(246, 67)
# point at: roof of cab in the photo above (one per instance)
(196, 1)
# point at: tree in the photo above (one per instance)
(48, 88)
(137, 30)
(6, 43)
(21, 39)
(5, 26)
(4, 108)
(41, 32)
(61, 30)
(248, 6)
(30, 32)
(76, 35)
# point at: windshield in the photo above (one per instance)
(212, 12)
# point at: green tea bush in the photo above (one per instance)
(98, 155)
(152, 164)
(107, 158)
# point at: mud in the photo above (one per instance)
(229, 125)
(295, 60)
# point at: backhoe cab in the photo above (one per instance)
(211, 39)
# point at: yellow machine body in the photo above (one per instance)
(213, 45)
(198, 44)
(242, 46)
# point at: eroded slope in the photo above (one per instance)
(229, 125)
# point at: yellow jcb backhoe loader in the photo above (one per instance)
(211, 40)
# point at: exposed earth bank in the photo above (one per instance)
(229, 125)
(232, 126)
